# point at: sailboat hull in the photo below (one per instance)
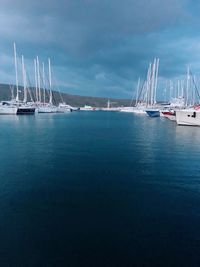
(47, 109)
(8, 110)
(153, 113)
(25, 111)
(171, 115)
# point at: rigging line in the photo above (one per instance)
(32, 88)
(197, 91)
(141, 90)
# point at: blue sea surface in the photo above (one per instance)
(98, 189)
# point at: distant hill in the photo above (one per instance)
(73, 100)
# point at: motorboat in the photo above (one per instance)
(63, 108)
(190, 117)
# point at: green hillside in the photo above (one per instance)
(73, 100)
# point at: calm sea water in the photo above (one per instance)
(98, 189)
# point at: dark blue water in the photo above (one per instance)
(98, 189)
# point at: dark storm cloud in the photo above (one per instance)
(99, 46)
(88, 25)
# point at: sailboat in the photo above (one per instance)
(47, 107)
(15, 106)
(139, 107)
(22, 106)
(152, 79)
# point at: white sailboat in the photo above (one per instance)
(21, 106)
(139, 107)
(15, 106)
(24, 107)
(48, 107)
(152, 80)
(7, 107)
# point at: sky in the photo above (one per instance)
(100, 48)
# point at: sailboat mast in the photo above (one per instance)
(43, 81)
(108, 104)
(16, 72)
(35, 72)
(12, 92)
(187, 86)
(156, 79)
(24, 79)
(178, 94)
(50, 97)
(149, 85)
(193, 90)
(137, 92)
(153, 74)
(38, 77)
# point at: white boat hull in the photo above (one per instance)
(63, 110)
(127, 109)
(8, 110)
(133, 110)
(110, 109)
(139, 111)
(47, 109)
(87, 109)
(190, 117)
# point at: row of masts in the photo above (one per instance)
(147, 93)
(185, 89)
(37, 79)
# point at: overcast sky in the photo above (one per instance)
(100, 47)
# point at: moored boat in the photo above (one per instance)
(169, 114)
(137, 110)
(190, 117)
(7, 108)
(64, 108)
(47, 108)
(153, 112)
(25, 110)
(88, 108)
(127, 109)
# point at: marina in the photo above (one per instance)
(99, 133)
(182, 105)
